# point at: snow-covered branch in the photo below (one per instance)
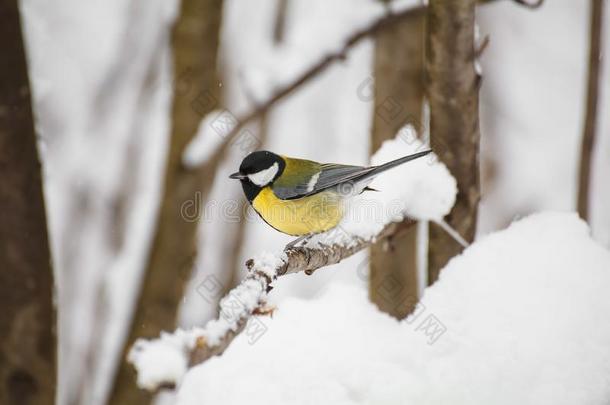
(185, 349)
(421, 190)
(263, 270)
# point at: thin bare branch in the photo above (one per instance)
(381, 24)
(590, 124)
(373, 29)
(530, 4)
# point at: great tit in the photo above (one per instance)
(301, 197)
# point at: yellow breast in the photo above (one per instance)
(302, 216)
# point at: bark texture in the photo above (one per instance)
(27, 323)
(399, 93)
(196, 92)
(452, 90)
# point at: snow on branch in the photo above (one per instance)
(420, 190)
(162, 362)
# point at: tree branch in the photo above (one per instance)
(295, 260)
(533, 4)
(590, 124)
(248, 299)
(372, 29)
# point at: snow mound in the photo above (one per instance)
(519, 317)
(422, 189)
(427, 190)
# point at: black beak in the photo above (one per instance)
(237, 176)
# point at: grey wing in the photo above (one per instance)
(330, 175)
(333, 175)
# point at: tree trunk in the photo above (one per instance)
(399, 93)
(195, 45)
(452, 90)
(27, 324)
(590, 123)
(279, 30)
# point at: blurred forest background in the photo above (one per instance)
(119, 90)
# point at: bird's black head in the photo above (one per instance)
(257, 170)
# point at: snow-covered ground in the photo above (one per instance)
(518, 318)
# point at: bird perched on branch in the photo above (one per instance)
(301, 197)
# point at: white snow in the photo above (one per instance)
(517, 318)
(163, 360)
(427, 189)
(267, 263)
(241, 301)
(160, 361)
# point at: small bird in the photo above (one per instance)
(301, 197)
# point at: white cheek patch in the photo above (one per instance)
(264, 177)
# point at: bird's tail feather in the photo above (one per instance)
(397, 162)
